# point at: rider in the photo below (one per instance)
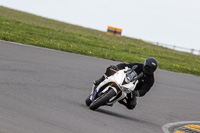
(144, 85)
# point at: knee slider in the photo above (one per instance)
(131, 105)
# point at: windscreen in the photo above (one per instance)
(130, 75)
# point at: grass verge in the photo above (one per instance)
(33, 30)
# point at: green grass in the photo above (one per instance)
(34, 30)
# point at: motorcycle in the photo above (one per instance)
(114, 88)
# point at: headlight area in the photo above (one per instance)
(118, 79)
(127, 90)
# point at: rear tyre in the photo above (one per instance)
(102, 99)
(88, 101)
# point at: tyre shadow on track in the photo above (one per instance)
(126, 117)
(122, 116)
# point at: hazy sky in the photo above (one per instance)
(175, 22)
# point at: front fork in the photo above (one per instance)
(93, 93)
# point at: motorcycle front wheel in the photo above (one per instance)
(88, 101)
(102, 99)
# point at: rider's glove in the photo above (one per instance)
(113, 67)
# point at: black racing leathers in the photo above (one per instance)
(145, 83)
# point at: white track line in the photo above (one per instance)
(29, 45)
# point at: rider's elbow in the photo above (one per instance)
(142, 93)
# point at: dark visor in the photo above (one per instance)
(149, 69)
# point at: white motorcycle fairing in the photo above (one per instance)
(119, 82)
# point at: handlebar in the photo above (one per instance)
(139, 76)
(134, 67)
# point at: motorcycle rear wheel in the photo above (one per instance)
(102, 99)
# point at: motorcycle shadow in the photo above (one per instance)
(116, 114)
(121, 116)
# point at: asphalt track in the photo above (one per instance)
(44, 91)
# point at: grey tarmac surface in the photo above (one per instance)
(44, 91)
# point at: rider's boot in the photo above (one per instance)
(123, 101)
(98, 81)
(129, 103)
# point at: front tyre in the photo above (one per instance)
(88, 101)
(102, 99)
